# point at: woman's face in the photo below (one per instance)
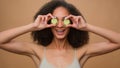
(60, 31)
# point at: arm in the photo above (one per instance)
(90, 50)
(113, 38)
(6, 37)
(7, 43)
(113, 42)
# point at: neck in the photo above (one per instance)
(60, 44)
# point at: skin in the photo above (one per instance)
(59, 52)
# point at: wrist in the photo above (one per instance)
(86, 27)
(32, 27)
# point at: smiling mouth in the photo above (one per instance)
(60, 32)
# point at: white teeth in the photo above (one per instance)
(60, 30)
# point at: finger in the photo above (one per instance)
(82, 19)
(51, 25)
(42, 18)
(78, 20)
(70, 17)
(69, 25)
(38, 18)
(50, 16)
(46, 20)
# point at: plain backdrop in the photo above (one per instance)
(102, 13)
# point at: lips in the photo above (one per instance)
(60, 31)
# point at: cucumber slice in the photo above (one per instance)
(66, 22)
(54, 21)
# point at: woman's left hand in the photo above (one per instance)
(77, 22)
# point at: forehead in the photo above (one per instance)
(60, 12)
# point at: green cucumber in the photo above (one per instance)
(54, 21)
(66, 22)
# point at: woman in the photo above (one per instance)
(59, 45)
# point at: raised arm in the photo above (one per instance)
(112, 44)
(7, 43)
(113, 38)
(91, 50)
(6, 37)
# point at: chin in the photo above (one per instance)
(60, 37)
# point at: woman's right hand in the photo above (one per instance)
(41, 22)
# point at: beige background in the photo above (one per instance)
(103, 13)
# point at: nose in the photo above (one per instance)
(60, 24)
